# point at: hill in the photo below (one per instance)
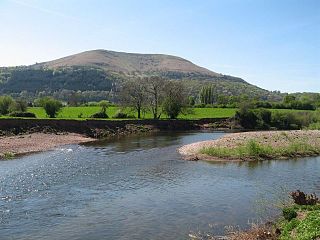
(98, 74)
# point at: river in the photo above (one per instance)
(138, 187)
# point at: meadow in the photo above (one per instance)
(191, 113)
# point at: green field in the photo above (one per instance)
(194, 113)
(86, 112)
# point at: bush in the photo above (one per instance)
(99, 115)
(200, 105)
(18, 106)
(286, 121)
(246, 117)
(172, 108)
(289, 213)
(5, 102)
(51, 106)
(22, 114)
(122, 115)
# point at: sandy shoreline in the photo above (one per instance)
(230, 141)
(36, 142)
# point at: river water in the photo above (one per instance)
(138, 187)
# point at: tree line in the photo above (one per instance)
(208, 97)
(155, 94)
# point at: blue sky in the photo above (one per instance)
(274, 44)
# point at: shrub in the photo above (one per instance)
(99, 115)
(22, 114)
(122, 115)
(5, 102)
(51, 106)
(104, 105)
(286, 120)
(289, 213)
(172, 108)
(18, 106)
(246, 117)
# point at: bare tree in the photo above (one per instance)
(133, 94)
(155, 89)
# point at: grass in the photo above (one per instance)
(306, 228)
(314, 126)
(86, 112)
(194, 113)
(254, 150)
(7, 155)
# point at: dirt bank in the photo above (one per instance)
(307, 143)
(35, 142)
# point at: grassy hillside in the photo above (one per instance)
(98, 74)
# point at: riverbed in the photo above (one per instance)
(138, 187)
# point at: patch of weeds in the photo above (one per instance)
(255, 150)
(8, 155)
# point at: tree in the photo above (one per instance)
(289, 99)
(5, 102)
(207, 95)
(246, 117)
(155, 89)
(51, 106)
(175, 99)
(191, 101)
(104, 105)
(133, 94)
(18, 106)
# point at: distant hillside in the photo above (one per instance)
(129, 63)
(100, 73)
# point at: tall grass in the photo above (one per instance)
(254, 150)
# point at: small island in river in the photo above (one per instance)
(250, 146)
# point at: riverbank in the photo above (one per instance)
(11, 146)
(299, 220)
(248, 146)
(107, 128)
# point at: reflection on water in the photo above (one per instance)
(137, 187)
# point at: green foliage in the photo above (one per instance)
(287, 120)
(73, 112)
(18, 106)
(100, 115)
(314, 126)
(207, 95)
(250, 118)
(246, 117)
(5, 102)
(7, 155)
(104, 105)
(22, 114)
(171, 108)
(121, 115)
(254, 150)
(191, 101)
(175, 100)
(69, 78)
(304, 229)
(289, 213)
(51, 106)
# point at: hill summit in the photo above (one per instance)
(129, 62)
